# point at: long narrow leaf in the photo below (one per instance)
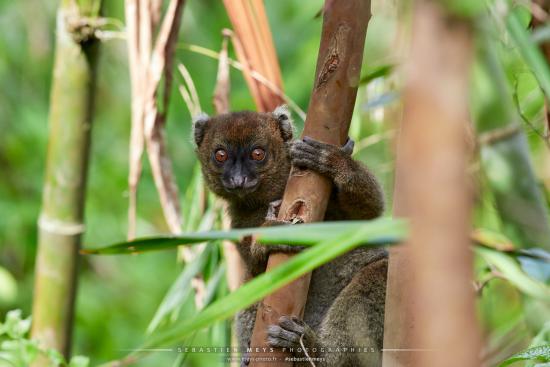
(540, 354)
(512, 271)
(259, 287)
(505, 154)
(180, 290)
(304, 234)
(530, 51)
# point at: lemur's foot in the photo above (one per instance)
(245, 358)
(321, 157)
(291, 332)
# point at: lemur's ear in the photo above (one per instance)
(282, 114)
(199, 125)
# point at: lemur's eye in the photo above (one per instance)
(220, 155)
(258, 154)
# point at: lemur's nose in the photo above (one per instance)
(238, 181)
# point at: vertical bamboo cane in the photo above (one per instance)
(430, 300)
(329, 114)
(255, 50)
(61, 219)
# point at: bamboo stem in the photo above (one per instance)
(329, 115)
(255, 50)
(61, 219)
(430, 311)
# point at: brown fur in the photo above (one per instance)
(345, 305)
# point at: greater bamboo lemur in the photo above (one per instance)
(246, 159)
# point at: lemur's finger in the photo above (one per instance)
(302, 154)
(292, 324)
(280, 343)
(299, 146)
(310, 164)
(279, 337)
(305, 155)
(245, 360)
(316, 143)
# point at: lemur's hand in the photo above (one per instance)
(291, 332)
(271, 220)
(326, 159)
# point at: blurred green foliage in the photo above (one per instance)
(16, 350)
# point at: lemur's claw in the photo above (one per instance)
(348, 147)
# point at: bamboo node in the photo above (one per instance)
(60, 227)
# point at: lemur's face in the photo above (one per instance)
(241, 152)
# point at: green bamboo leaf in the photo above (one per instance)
(213, 284)
(303, 234)
(180, 290)
(505, 157)
(259, 287)
(377, 72)
(512, 271)
(8, 287)
(191, 205)
(79, 361)
(466, 8)
(539, 354)
(529, 50)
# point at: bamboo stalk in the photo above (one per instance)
(329, 115)
(255, 50)
(267, 44)
(137, 140)
(61, 219)
(430, 311)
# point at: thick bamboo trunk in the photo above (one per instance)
(61, 218)
(329, 114)
(430, 311)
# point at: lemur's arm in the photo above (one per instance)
(358, 192)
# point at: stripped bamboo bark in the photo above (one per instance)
(255, 51)
(430, 310)
(61, 219)
(150, 61)
(329, 115)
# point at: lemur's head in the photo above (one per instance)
(245, 153)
